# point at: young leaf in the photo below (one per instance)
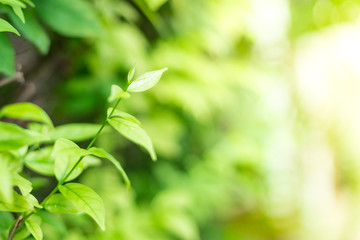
(69, 18)
(19, 204)
(40, 161)
(57, 203)
(103, 154)
(146, 81)
(74, 131)
(26, 111)
(86, 200)
(7, 27)
(130, 127)
(66, 153)
(130, 75)
(32, 201)
(14, 137)
(116, 93)
(22, 183)
(32, 31)
(18, 11)
(7, 53)
(33, 225)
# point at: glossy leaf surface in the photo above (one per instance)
(86, 200)
(57, 203)
(146, 81)
(33, 225)
(130, 127)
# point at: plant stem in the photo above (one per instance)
(90, 144)
(22, 218)
(15, 227)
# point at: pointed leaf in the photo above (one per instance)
(33, 225)
(29, 2)
(22, 183)
(66, 153)
(57, 203)
(26, 111)
(133, 131)
(85, 199)
(7, 27)
(131, 74)
(18, 11)
(116, 93)
(32, 200)
(7, 53)
(14, 137)
(40, 161)
(74, 131)
(146, 81)
(103, 154)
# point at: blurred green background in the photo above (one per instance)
(256, 122)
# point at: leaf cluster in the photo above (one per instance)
(50, 150)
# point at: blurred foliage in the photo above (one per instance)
(227, 122)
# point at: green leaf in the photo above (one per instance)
(14, 162)
(31, 199)
(30, 3)
(19, 204)
(33, 225)
(33, 31)
(6, 191)
(66, 153)
(54, 225)
(131, 73)
(22, 233)
(86, 200)
(7, 54)
(14, 137)
(7, 27)
(130, 127)
(146, 81)
(103, 154)
(69, 18)
(26, 111)
(40, 161)
(123, 115)
(116, 93)
(13, 3)
(74, 131)
(154, 5)
(57, 203)
(6, 220)
(18, 11)
(22, 183)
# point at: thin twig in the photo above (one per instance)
(15, 228)
(18, 77)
